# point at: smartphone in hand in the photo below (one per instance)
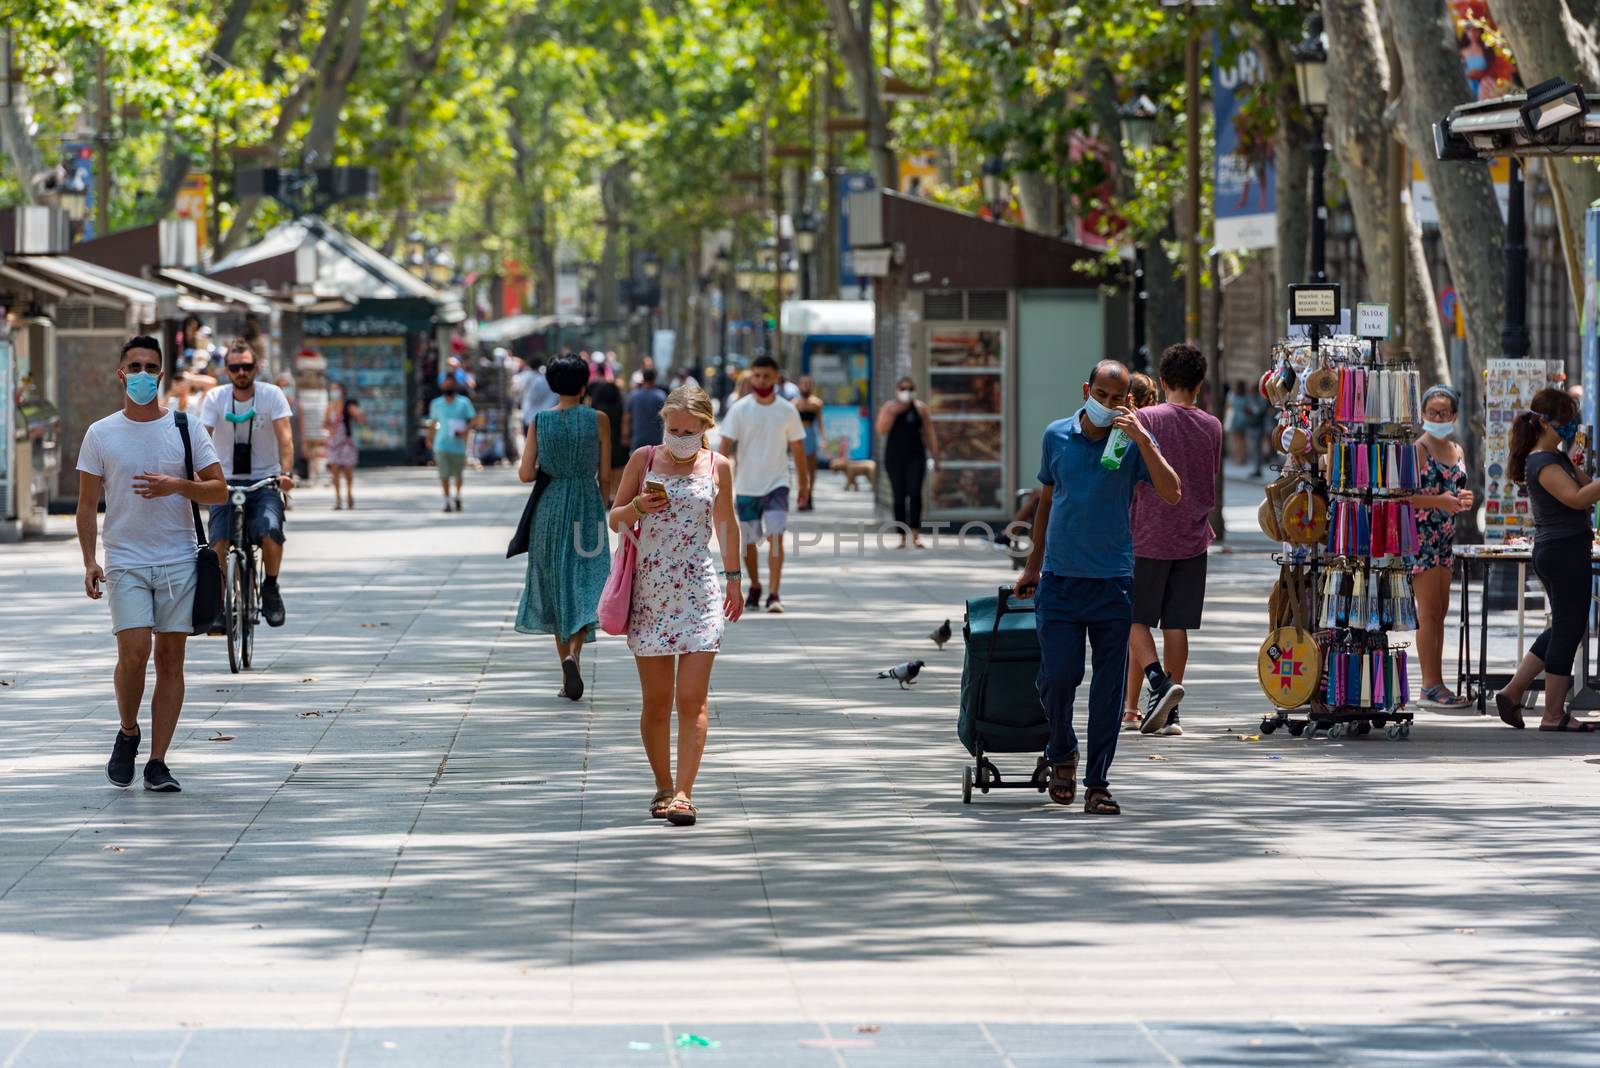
(655, 487)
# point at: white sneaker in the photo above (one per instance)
(1171, 729)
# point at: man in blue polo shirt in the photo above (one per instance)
(1082, 570)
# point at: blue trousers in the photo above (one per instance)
(1069, 611)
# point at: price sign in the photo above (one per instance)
(1314, 304)
(1372, 321)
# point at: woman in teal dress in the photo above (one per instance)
(571, 445)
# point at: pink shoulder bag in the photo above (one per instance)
(616, 600)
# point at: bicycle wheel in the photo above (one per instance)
(247, 617)
(232, 611)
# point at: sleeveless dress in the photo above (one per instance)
(569, 556)
(677, 594)
(341, 446)
(1436, 528)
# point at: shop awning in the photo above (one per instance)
(142, 298)
(32, 281)
(514, 327)
(221, 293)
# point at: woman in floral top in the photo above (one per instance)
(1442, 494)
(677, 494)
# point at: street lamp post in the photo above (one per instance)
(725, 273)
(1311, 72)
(1137, 119)
(805, 242)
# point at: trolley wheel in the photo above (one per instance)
(1405, 729)
(1364, 727)
(966, 786)
(1336, 730)
(1297, 728)
(1268, 724)
(1393, 731)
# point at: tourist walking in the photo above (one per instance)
(766, 431)
(810, 408)
(1170, 543)
(250, 425)
(344, 415)
(679, 495)
(451, 417)
(1080, 574)
(570, 445)
(643, 415)
(606, 396)
(533, 392)
(136, 459)
(1441, 495)
(908, 443)
(1562, 498)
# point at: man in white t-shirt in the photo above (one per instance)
(136, 458)
(250, 425)
(766, 431)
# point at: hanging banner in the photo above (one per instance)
(194, 202)
(1246, 200)
(851, 284)
(1590, 320)
(78, 162)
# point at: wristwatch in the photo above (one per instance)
(732, 574)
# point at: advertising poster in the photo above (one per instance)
(851, 285)
(79, 165)
(966, 401)
(1590, 322)
(1508, 387)
(194, 202)
(1246, 203)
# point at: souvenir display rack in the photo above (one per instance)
(1347, 420)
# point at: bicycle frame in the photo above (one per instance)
(242, 580)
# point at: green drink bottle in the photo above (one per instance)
(1116, 449)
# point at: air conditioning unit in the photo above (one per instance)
(33, 230)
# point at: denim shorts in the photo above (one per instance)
(263, 516)
(764, 516)
(158, 597)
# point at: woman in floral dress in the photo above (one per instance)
(567, 558)
(1441, 494)
(678, 494)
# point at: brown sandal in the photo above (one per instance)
(1568, 725)
(1510, 711)
(1099, 802)
(1064, 788)
(682, 813)
(659, 804)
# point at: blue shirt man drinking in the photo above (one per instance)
(1082, 571)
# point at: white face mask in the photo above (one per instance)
(905, 396)
(682, 446)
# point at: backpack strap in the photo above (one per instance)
(182, 419)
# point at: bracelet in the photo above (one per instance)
(732, 574)
(636, 508)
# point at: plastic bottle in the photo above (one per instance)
(1116, 449)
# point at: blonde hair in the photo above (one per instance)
(1141, 390)
(691, 399)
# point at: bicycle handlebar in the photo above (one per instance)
(270, 480)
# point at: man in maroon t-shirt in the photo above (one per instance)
(1170, 540)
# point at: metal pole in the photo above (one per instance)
(727, 284)
(1191, 253)
(1141, 298)
(1319, 204)
(102, 139)
(1514, 340)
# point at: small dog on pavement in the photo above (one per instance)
(854, 469)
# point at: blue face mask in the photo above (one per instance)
(1566, 431)
(1439, 430)
(1098, 413)
(141, 387)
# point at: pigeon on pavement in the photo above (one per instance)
(941, 635)
(905, 674)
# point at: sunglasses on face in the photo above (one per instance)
(240, 368)
(135, 368)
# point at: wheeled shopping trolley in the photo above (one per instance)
(1000, 707)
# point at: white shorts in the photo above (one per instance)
(159, 598)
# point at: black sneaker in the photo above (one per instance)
(1173, 727)
(1163, 699)
(219, 625)
(753, 598)
(458, 504)
(158, 779)
(271, 604)
(119, 769)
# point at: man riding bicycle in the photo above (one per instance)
(249, 424)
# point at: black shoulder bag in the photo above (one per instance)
(207, 569)
(519, 537)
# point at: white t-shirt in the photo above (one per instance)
(313, 409)
(139, 532)
(270, 405)
(762, 433)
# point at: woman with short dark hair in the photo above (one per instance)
(1561, 496)
(568, 561)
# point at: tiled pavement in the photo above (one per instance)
(411, 852)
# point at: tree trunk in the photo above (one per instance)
(1164, 311)
(333, 88)
(933, 18)
(1558, 38)
(26, 160)
(1358, 91)
(423, 62)
(1469, 217)
(613, 195)
(855, 45)
(1033, 197)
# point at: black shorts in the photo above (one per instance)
(1170, 594)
